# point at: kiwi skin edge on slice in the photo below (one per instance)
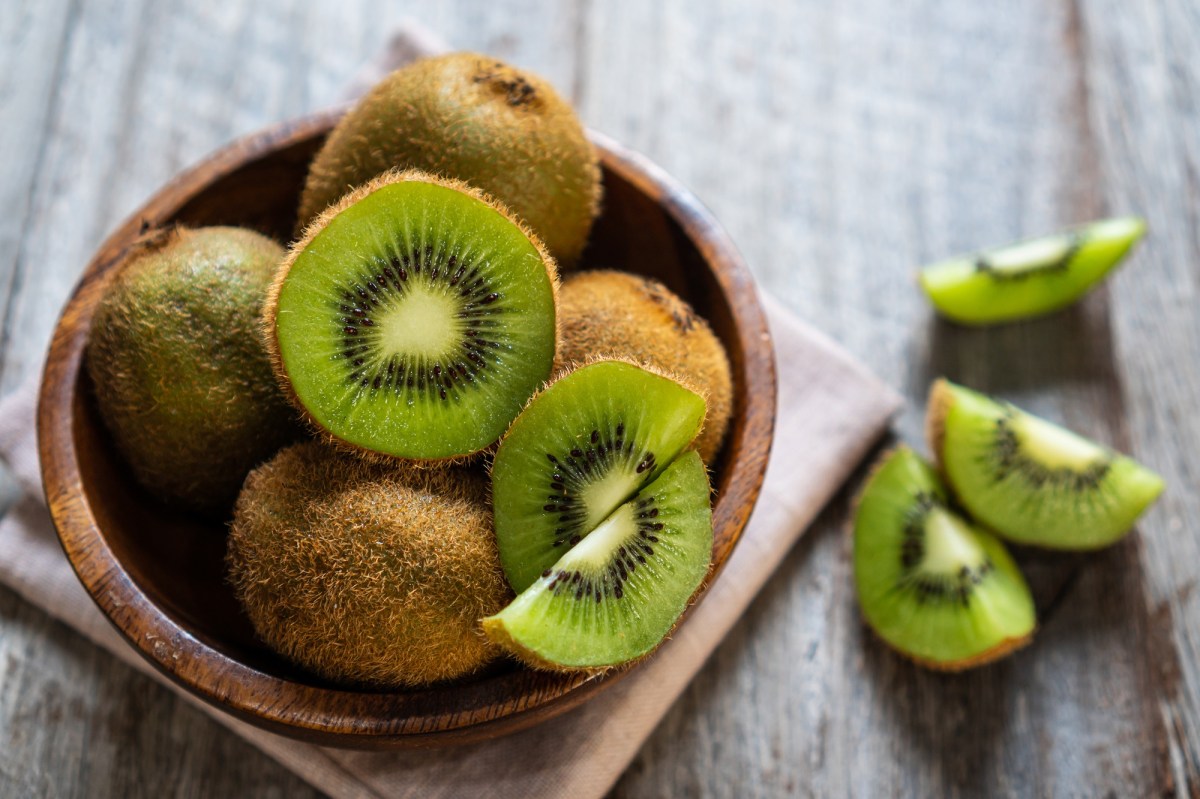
(934, 587)
(1031, 481)
(606, 313)
(1030, 278)
(413, 320)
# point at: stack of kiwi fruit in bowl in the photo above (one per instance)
(436, 442)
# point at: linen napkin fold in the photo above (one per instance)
(830, 411)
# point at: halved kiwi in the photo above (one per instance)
(1032, 277)
(415, 318)
(580, 449)
(1032, 481)
(616, 595)
(932, 585)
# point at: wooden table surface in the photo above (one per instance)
(842, 144)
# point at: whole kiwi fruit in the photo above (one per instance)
(479, 120)
(180, 370)
(612, 314)
(367, 573)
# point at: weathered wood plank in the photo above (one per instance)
(1144, 78)
(843, 145)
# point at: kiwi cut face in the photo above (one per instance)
(1030, 278)
(616, 595)
(582, 448)
(1030, 480)
(415, 319)
(932, 585)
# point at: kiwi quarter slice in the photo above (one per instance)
(616, 595)
(415, 318)
(580, 449)
(1032, 277)
(1032, 481)
(932, 585)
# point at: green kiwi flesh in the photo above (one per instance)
(614, 597)
(181, 375)
(581, 449)
(1030, 278)
(415, 319)
(1032, 481)
(367, 573)
(932, 585)
(470, 117)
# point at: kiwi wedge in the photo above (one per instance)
(181, 376)
(1032, 277)
(1032, 481)
(367, 573)
(414, 319)
(936, 588)
(581, 449)
(606, 313)
(470, 117)
(614, 597)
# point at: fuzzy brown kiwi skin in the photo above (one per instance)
(997, 652)
(394, 545)
(613, 313)
(271, 307)
(514, 137)
(941, 398)
(190, 296)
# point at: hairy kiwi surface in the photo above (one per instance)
(181, 375)
(932, 585)
(477, 119)
(580, 450)
(611, 314)
(414, 319)
(1032, 277)
(615, 596)
(367, 573)
(1032, 481)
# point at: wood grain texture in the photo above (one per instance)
(842, 145)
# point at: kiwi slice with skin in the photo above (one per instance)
(414, 319)
(1031, 278)
(470, 117)
(1030, 480)
(606, 313)
(936, 588)
(581, 448)
(616, 595)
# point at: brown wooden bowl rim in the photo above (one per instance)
(329, 715)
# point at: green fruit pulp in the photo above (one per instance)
(616, 595)
(459, 326)
(1029, 278)
(1034, 482)
(583, 447)
(930, 583)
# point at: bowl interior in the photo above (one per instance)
(175, 561)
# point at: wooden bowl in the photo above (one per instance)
(158, 575)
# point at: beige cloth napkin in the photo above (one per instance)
(830, 412)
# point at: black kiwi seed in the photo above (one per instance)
(377, 287)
